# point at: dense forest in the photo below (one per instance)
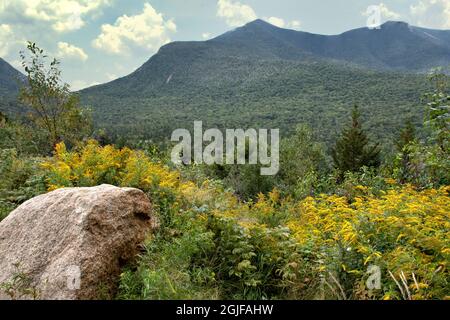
(261, 94)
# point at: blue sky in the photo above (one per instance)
(100, 40)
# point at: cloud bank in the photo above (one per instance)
(148, 30)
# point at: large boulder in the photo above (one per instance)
(71, 243)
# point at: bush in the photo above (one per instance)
(91, 164)
(21, 179)
(253, 261)
(165, 269)
(211, 245)
(25, 139)
(428, 166)
(403, 231)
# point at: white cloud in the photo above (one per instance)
(111, 76)
(17, 64)
(295, 24)
(206, 35)
(62, 15)
(42, 20)
(66, 50)
(148, 30)
(10, 41)
(388, 14)
(385, 12)
(431, 13)
(235, 13)
(278, 22)
(80, 84)
(5, 38)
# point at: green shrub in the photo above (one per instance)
(166, 268)
(21, 179)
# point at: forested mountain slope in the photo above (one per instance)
(9, 86)
(261, 75)
(264, 76)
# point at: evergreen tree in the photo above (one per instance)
(352, 150)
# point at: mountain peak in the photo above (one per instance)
(395, 23)
(259, 23)
(248, 32)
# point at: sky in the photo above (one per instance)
(100, 40)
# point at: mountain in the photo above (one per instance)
(263, 76)
(9, 86)
(395, 46)
(9, 77)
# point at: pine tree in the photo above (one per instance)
(352, 150)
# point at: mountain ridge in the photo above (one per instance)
(362, 46)
(9, 76)
(256, 75)
(261, 40)
(9, 86)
